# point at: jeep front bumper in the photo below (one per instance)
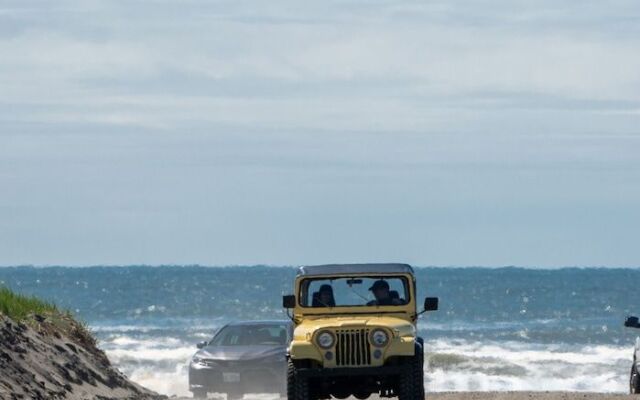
(346, 372)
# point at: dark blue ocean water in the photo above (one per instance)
(497, 329)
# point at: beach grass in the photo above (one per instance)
(44, 315)
(18, 307)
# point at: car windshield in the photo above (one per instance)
(251, 335)
(354, 291)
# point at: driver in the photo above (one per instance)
(324, 297)
(380, 289)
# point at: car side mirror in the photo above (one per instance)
(289, 301)
(431, 304)
(632, 322)
(202, 345)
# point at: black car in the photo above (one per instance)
(634, 380)
(242, 357)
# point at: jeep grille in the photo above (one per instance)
(352, 347)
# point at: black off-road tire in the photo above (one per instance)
(411, 385)
(418, 370)
(634, 380)
(297, 387)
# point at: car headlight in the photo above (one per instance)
(198, 360)
(379, 338)
(325, 339)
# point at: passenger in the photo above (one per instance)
(380, 289)
(325, 297)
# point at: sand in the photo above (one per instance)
(490, 396)
(525, 396)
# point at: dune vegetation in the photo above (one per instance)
(43, 315)
(18, 307)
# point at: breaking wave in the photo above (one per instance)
(161, 364)
(460, 365)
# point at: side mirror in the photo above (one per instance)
(202, 345)
(431, 304)
(632, 322)
(289, 301)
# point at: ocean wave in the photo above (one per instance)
(168, 382)
(475, 326)
(149, 326)
(161, 364)
(480, 366)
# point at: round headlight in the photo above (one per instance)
(379, 338)
(325, 339)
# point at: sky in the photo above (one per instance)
(481, 133)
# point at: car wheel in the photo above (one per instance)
(199, 394)
(297, 387)
(411, 383)
(634, 381)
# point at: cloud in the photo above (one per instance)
(194, 128)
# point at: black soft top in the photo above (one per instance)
(331, 269)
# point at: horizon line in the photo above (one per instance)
(416, 266)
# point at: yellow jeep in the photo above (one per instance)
(355, 333)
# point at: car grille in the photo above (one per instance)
(352, 347)
(225, 364)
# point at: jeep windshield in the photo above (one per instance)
(354, 291)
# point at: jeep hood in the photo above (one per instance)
(399, 326)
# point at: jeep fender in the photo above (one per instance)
(402, 346)
(304, 350)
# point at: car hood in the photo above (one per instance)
(231, 353)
